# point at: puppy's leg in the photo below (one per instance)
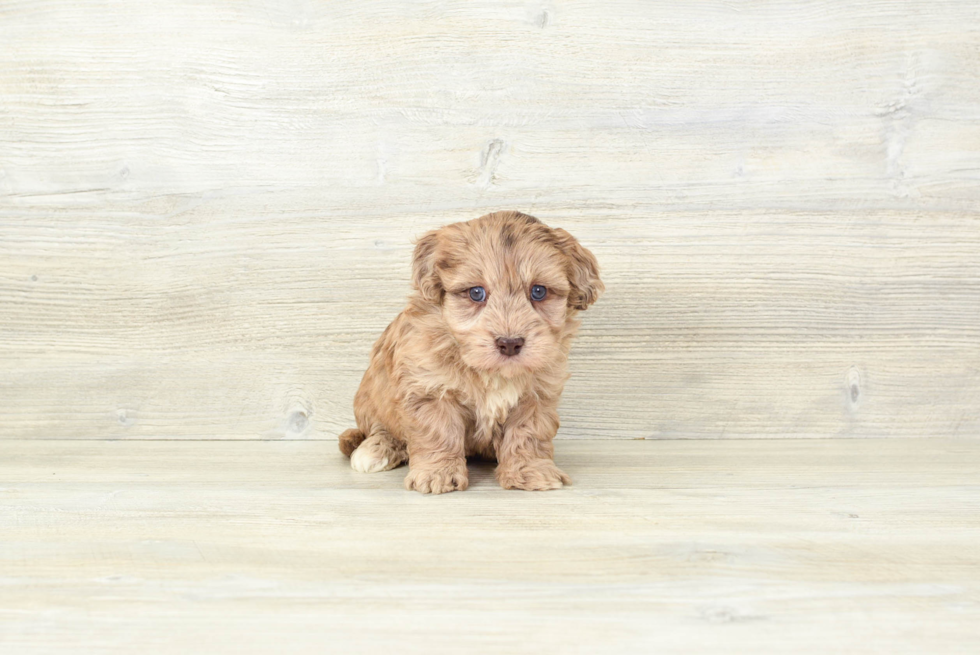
(349, 440)
(436, 450)
(379, 452)
(525, 452)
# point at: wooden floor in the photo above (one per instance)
(660, 546)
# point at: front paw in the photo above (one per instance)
(438, 478)
(532, 475)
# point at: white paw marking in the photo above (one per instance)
(365, 460)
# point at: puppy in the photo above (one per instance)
(476, 363)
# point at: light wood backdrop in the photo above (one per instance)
(206, 208)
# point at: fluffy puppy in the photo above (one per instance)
(476, 363)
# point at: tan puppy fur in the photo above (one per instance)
(441, 387)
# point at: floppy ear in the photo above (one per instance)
(583, 271)
(424, 276)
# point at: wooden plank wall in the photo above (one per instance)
(206, 208)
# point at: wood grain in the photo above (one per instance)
(206, 209)
(738, 546)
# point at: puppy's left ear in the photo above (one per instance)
(424, 276)
(583, 271)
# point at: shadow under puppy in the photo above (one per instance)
(476, 363)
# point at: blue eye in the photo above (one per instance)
(538, 292)
(478, 294)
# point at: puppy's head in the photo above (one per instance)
(508, 287)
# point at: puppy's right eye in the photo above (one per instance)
(478, 294)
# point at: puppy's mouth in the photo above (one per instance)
(506, 363)
(510, 361)
(489, 357)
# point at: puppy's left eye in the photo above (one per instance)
(538, 292)
(478, 294)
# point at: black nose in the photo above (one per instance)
(510, 346)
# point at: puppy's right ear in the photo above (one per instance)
(583, 271)
(424, 276)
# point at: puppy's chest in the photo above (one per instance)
(495, 401)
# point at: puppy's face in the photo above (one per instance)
(507, 285)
